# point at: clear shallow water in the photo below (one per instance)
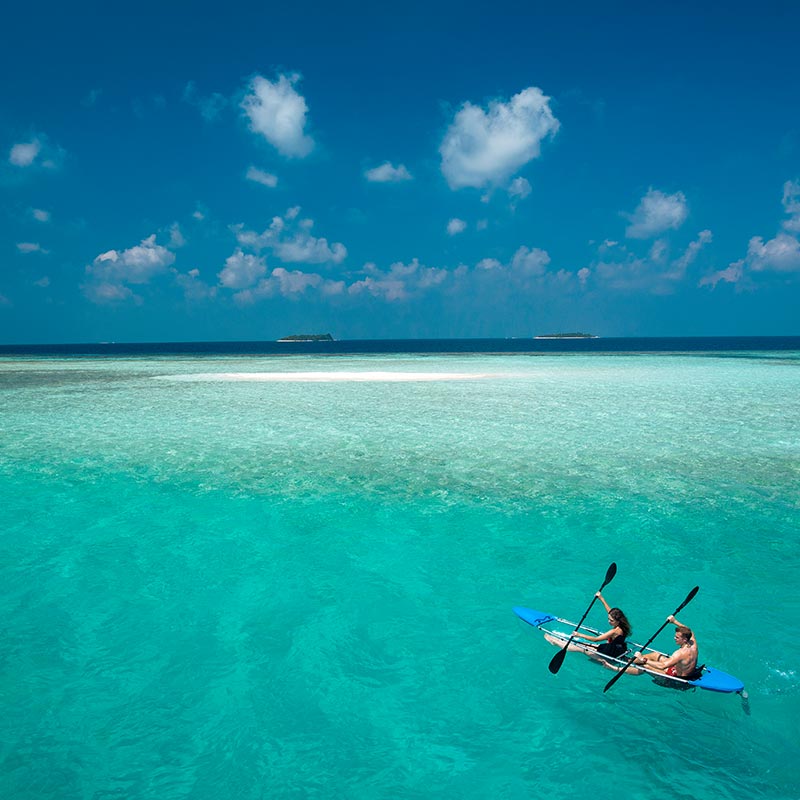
(292, 587)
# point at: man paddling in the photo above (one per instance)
(682, 663)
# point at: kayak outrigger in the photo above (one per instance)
(558, 631)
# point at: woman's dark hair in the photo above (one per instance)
(621, 621)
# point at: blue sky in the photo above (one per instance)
(421, 170)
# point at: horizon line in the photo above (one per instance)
(322, 343)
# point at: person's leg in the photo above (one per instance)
(573, 648)
(649, 657)
(615, 668)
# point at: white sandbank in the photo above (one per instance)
(328, 377)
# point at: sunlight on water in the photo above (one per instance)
(293, 577)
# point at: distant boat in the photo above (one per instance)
(566, 336)
(308, 337)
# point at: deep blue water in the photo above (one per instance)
(676, 344)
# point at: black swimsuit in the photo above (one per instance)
(614, 647)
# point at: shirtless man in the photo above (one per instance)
(682, 663)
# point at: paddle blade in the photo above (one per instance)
(558, 659)
(612, 571)
(689, 598)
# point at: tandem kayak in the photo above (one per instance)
(712, 680)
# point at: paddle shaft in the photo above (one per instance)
(683, 605)
(558, 659)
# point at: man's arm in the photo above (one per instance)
(662, 662)
(675, 622)
(674, 659)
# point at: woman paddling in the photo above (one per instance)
(612, 642)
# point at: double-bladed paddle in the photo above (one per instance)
(558, 659)
(644, 646)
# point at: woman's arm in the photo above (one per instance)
(603, 637)
(602, 599)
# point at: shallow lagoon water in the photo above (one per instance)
(300, 583)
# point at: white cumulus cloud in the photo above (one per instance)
(106, 293)
(291, 241)
(690, 254)
(31, 247)
(659, 250)
(781, 254)
(530, 261)
(519, 189)
(656, 273)
(135, 265)
(259, 176)
(656, 213)
(400, 282)
(109, 273)
(194, 289)
(38, 153)
(278, 113)
(485, 147)
(176, 237)
(388, 173)
(295, 281)
(242, 270)
(24, 153)
(791, 204)
(456, 226)
(732, 274)
(40, 215)
(303, 248)
(289, 283)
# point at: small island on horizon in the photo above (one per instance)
(566, 336)
(307, 337)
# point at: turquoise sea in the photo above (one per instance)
(292, 576)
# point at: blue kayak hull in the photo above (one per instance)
(712, 680)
